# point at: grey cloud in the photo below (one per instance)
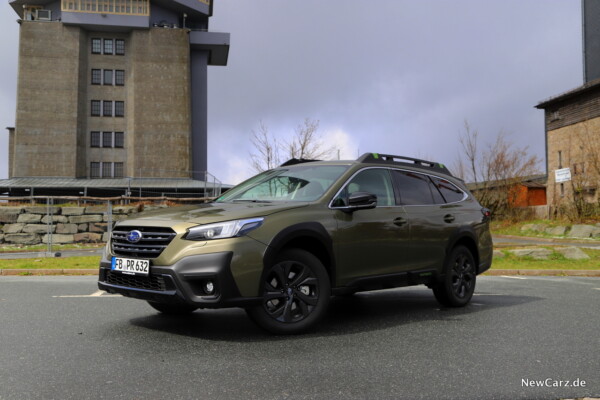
(399, 76)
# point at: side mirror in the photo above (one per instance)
(361, 201)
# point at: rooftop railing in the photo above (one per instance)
(123, 7)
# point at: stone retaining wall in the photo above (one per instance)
(30, 225)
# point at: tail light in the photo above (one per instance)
(487, 213)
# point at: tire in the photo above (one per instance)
(460, 276)
(295, 291)
(173, 309)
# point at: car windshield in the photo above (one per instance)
(299, 183)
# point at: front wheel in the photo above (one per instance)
(172, 309)
(295, 293)
(458, 285)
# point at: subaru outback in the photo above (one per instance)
(283, 242)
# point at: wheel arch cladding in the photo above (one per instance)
(308, 236)
(469, 242)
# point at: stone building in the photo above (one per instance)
(113, 88)
(572, 125)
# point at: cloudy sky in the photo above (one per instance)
(387, 76)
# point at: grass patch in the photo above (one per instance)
(44, 247)
(554, 261)
(52, 263)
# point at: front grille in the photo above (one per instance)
(151, 282)
(153, 242)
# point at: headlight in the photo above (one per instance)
(223, 230)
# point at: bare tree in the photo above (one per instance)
(266, 155)
(306, 143)
(495, 171)
(582, 155)
(468, 140)
(269, 152)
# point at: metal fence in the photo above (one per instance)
(47, 225)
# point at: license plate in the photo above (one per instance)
(130, 266)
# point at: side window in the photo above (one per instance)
(416, 189)
(450, 192)
(376, 181)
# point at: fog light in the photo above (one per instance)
(209, 287)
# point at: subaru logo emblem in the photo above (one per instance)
(134, 236)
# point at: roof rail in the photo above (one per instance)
(402, 160)
(294, 161)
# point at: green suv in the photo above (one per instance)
(283, 242)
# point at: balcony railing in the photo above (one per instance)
(123, 7)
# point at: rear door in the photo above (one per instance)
(432, 221)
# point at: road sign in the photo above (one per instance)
(562, 175)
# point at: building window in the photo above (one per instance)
(119, 108)
(118, 170)
(119, 140)
(95, 108)
(107, 108)
(119, 47)
(108, 46)
(96, 76)
(95, 170)
(107, 139)
(119, 77)
(108, 77)
(106, 170)
(96, 46)
(559, 159)
(95, 139)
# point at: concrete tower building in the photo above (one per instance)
(113, 88)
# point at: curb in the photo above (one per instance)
(44, 272)
(544, 272)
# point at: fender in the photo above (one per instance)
(312, 230)
(461, 233)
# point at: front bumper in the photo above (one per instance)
(182, 282)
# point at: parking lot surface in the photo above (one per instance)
(520, 338)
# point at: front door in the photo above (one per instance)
(375, 241)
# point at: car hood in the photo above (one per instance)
(209, 213)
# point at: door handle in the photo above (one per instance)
(449, 218)
(400, 221)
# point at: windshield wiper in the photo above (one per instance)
(252, 201)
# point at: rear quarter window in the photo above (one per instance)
(451, 193)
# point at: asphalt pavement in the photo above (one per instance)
(62, 339)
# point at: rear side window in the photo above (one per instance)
(451, 193)
(416, 189)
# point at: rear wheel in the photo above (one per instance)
(458, 285)
(173, 309)
(295, 293)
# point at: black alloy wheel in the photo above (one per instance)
(295, 293)
(460, 275)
